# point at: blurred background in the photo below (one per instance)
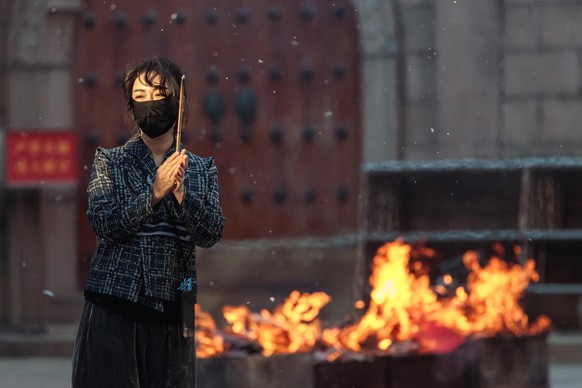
(335, 125)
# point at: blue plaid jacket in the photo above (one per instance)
(143, 253)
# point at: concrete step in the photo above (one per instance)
(57, 341)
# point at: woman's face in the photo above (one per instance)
(141, 91)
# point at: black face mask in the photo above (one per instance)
(154, 118)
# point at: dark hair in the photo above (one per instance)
(170, 76)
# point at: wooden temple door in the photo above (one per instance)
(274, 96)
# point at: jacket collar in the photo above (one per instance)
(136, 147)
(140, 157)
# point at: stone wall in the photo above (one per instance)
(488, 79)
(542, 77)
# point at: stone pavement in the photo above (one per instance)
(566, 375)
(55, 372)
(29, 361)
(35, 372)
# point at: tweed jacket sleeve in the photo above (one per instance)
(114, 217)
(200, 210)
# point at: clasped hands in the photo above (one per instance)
(170, 177)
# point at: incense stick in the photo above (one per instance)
(179, 128)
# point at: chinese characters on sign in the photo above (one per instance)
(41, 157)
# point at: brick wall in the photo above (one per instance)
(542, 77)
(490, 79)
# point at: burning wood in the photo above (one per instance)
(490, 305)
(405, 313)
(291, 328)
(209, 341)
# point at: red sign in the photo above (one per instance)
(35, 158)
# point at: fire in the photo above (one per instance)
(398, 301)
(403, 308)
(209, 342)
(491, 305)
(292, 327)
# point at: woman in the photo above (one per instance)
(150, 206)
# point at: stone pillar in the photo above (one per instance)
(5, 7)
(379, 94)
(467, 41)
(380, 106)
(4, 269)
(419, 63)
(26, 267)
(41, 221)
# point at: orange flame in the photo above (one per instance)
(398, 301)
(491, 305)
(401, 303)
(209, 342)
(290, 328)
(402, 307)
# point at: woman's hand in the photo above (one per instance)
(170, 177)
(178, 189)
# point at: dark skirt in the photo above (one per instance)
(112, 351)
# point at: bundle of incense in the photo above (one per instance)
(180, 108)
